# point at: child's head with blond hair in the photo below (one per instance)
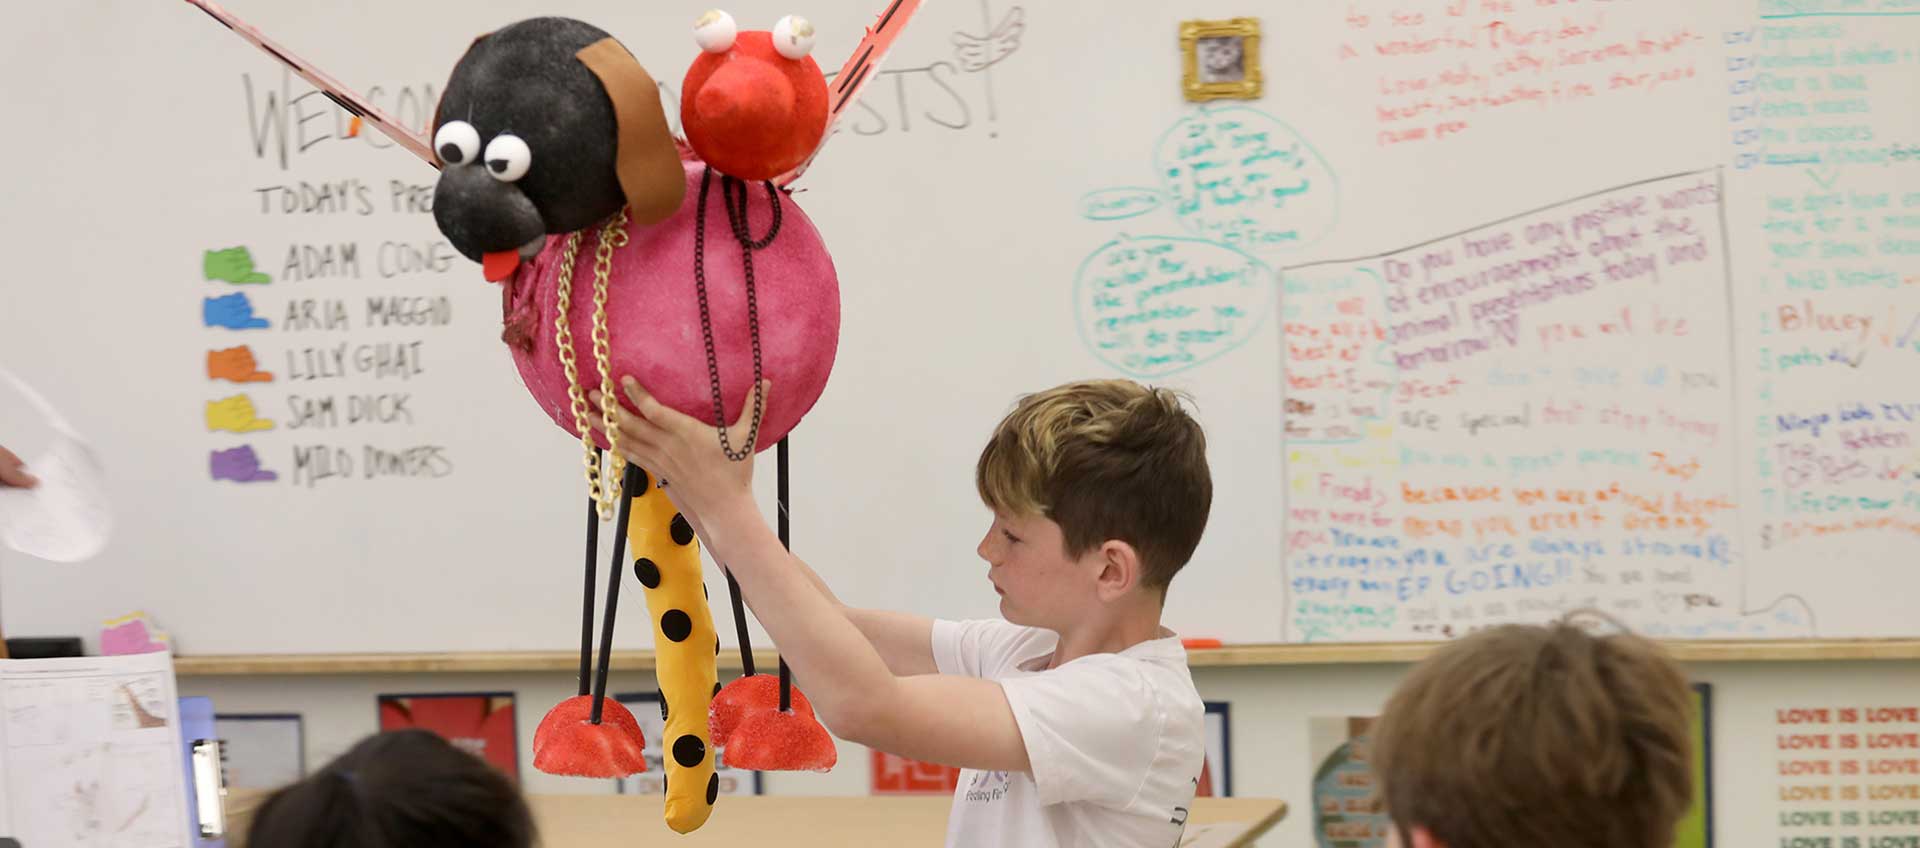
(1100, 492)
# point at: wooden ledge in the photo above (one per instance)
(485, 662)
(1234, 656)
(1684, 651)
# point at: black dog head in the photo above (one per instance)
(548, 126)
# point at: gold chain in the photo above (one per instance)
(612, 237)
(600, 485)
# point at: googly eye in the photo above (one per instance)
(793, 37)
(715, 31)
(508, 157)
(457, 142)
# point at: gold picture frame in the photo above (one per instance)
(1212, 78)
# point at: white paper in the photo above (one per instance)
(67, 517)
(90, 753)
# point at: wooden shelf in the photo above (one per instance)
(1241, 656)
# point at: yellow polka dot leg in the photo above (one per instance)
(667, 564)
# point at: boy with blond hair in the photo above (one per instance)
(1075, 719)
(1538, 735)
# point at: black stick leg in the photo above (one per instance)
(740, 624)
(629, 489)
(786, 687)
(786, 541)
(586, 604)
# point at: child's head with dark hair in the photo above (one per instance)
(1561, 734)
(403, 788)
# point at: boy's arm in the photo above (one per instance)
(949, 720)
(959, 721)
(904, 640)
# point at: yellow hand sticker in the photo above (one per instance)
(235, 415)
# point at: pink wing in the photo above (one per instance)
(342, 96)
(859, 69)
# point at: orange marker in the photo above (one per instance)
(353, 127)
(1200, 643)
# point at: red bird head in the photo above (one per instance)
(754, 104)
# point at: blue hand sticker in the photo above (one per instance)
(233, 311)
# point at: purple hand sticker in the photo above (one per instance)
(240, 465)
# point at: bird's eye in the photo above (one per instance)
(508, 157)
(457, 142)
(715, 31)
(793, 37)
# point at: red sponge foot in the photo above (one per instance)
(771, 740)
(566, 743)
(755, 693)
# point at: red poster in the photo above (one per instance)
(481, 723)
(897, 775)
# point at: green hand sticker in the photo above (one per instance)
(233, 265)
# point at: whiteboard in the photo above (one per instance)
(1061, 213)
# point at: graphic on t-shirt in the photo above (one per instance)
(988, 786)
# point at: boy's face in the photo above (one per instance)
(1039, 585)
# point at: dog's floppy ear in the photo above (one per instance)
(647, 161)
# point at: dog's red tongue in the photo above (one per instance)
(499, 265)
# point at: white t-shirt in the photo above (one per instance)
(1116, 742)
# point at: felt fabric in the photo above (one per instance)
(667, 565)
(647, 162)
(653, 314)
(566, 743)
(751, 112)
(777, 741)
(756, 693)
(523, 78)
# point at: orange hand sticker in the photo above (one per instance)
(235, 365)
(235, 415)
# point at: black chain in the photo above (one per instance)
(737, 219)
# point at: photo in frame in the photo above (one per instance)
(645, 707)
(1220, 60)
(263, 751)
(481, 723)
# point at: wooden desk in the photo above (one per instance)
(588, 821)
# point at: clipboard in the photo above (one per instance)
(206, 773)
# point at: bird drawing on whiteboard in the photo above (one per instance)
(622, 250)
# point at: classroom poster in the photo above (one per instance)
(646, 708)
(897, 775)
(90, 753)
(479, 722)
(1848, 775)
(1346, 808)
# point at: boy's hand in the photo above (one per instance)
(681, 450)
(13, 472)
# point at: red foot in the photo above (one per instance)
(749, 695)
(777, 741)
(566, 744)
